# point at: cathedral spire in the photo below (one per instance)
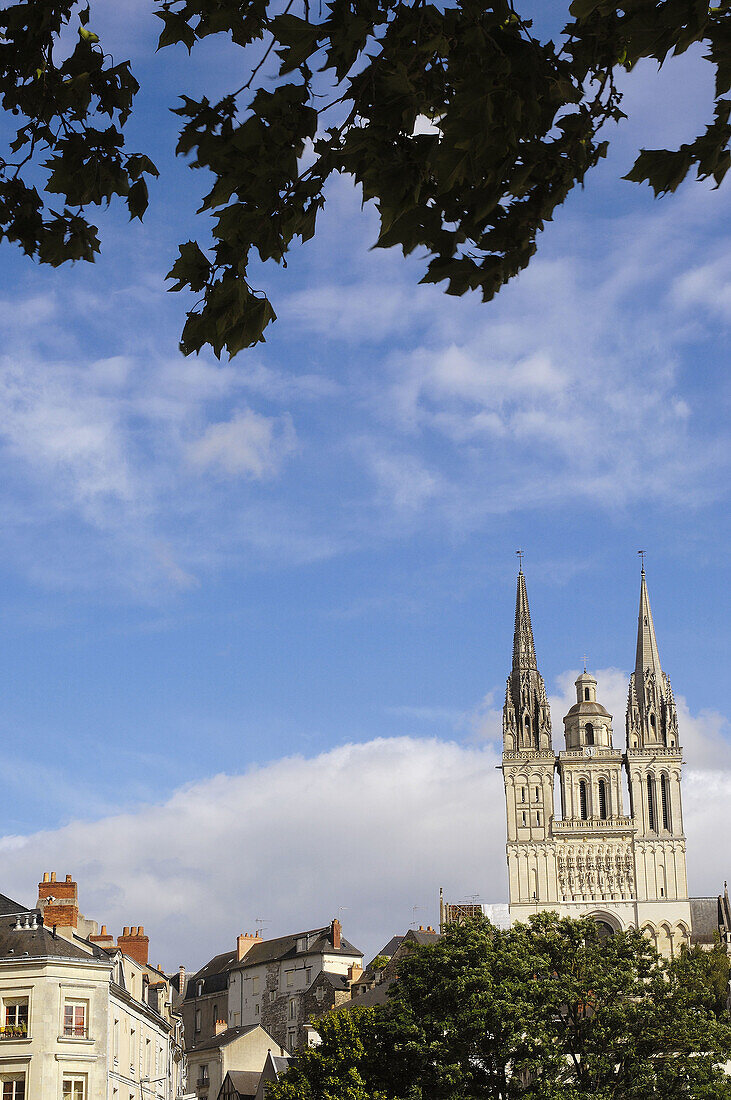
(524, 650)
(526, 715)
(651, 714)
(647, 657)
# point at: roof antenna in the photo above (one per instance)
(642, 555)
(520, 554)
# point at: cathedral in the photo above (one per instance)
(623, 865)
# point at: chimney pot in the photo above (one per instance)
(125, 932)
(53, 876)
(104, 930)
(46, 876)
(69, 879)
(141, 930)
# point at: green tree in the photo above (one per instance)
(544, 1011)
(513, 124)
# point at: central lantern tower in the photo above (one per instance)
(625, 869)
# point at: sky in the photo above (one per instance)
(256, 616)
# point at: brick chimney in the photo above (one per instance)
(244, 943)
(336, 930)
(103, 938)
(135, 943)
(181, 980)
(220, 1026)
(58, 901)
(354, 972)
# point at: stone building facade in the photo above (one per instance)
(275, 982)
(622, 865)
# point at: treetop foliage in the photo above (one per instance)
(544, 1011)
(464, 129)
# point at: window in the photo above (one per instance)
(586, 695)
(254, 986)
(203, 1076)
(290, 979)
(74, 1088)
(132, 1051)
(292, 1009)
(538, 819)
(583, 806)
(148, 1058)
(538, 794)
(115, 1040)
(602, 799)
(651, 813)
(197, 1019)
(291, 1038)
(256, 1009)
(589, 733)
(74, 1020)
(665, 800)
(308, 976)
(524, 817)
(522, 794)
(15, 1023)
(14, 1087)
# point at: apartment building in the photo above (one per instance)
(82, 1018)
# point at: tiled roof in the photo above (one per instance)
(7, 905)
(285, 947)
(37, 942)
(223, 1039)
(245, 1081)
(214, 975)
(704, 919)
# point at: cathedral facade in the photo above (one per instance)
(592, 855)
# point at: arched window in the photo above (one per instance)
(651, 809)
(586, 695)
(589, 733)
(665, 800)
(602, 799)
(583, 805)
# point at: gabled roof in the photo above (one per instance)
(285, 947)
(337, 981)
(706, 918)
(245, 1081)
(7, 906)
(223, 1039)
(214, 975)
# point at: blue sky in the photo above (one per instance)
(207, 568)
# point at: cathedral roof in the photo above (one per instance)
(588, 709)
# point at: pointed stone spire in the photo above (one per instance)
(524, 650)
(647, 657)
(651, 714)
(526, 715)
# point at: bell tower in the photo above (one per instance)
(654, 763)
(528, 767)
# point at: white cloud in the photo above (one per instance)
(248, 444)
(373, 829)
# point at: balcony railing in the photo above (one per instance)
(14, 1031)
(75, 1031)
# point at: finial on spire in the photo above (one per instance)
(520, 554)
(642, 556)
